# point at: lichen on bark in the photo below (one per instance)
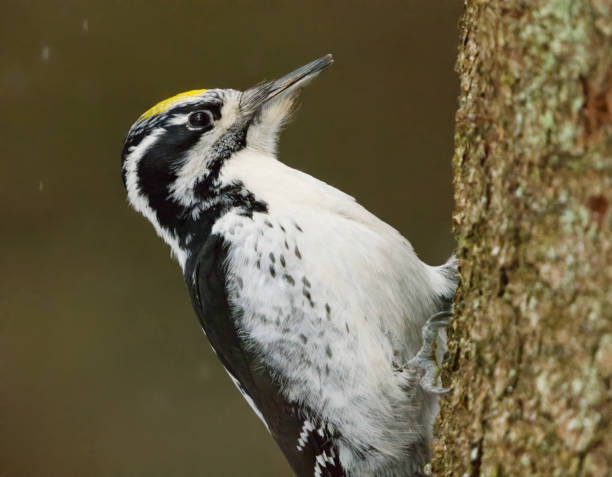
(531, 346)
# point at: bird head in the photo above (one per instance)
(174, 152)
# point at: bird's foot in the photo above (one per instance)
(425, 361)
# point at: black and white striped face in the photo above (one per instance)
(174, 147)
(174, 153)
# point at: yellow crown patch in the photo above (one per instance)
(169, 102)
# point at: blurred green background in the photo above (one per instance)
(103, 368)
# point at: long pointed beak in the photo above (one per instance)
(252, 99)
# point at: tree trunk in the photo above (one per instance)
(531, 346)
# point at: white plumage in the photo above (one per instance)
(378, 292)
(328, 297)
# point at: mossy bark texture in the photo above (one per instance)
(531, 346)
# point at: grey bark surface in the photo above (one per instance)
(531, 345)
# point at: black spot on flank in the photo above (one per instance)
(297, 252)
(289, 279)
(328, 311)
(347, 329)
(272, 271)
(240, 282)
(272, 258)
(286, 245)
(282, 228)
(282, 260)
(277, 321)
(298, 227)
(286, 331)
(303, 338)
(327, 369)
(268, 223)
(258, 263)
(306, 293)
(328, 351)
(306, 282)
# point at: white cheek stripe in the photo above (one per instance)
(140, 202)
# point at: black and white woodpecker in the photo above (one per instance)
(321, 313)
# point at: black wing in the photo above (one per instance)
(305, 441)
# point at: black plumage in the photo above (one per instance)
(285, 342)
(207, 284)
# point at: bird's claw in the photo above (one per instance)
(425, 360)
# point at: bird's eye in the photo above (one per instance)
(200, 120)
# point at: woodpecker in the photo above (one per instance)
(322, 314)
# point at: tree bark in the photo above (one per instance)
(530, 359)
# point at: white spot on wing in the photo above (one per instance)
(319, 464)
(307, 427)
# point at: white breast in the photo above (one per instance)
(331, 297)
